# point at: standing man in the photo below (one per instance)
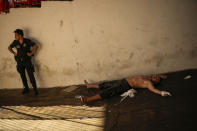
(25, 50)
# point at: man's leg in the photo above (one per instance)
(21, 70)
(109, 92)
(91, 85)
(90, 99)
(30, 71)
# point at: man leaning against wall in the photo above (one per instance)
(25, 49)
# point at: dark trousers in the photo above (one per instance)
(30, 70)
(114, 88)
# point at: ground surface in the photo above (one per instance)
(145, 112)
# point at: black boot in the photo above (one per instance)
(25, 91)
(35, 92)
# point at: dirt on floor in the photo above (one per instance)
(145, 112)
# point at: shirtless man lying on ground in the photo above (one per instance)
(125, 84)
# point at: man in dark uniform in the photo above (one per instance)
(25, 50)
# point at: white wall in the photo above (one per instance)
(101, 40)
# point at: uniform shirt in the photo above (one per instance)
(22, 49)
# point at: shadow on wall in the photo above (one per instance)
(34, 61)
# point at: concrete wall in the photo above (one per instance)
(101, 40)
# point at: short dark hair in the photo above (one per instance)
(19, 31)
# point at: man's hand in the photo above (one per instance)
(29, 54)
(10, 49)
(165, 93)
(33, 51)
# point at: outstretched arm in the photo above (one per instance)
(154, 90)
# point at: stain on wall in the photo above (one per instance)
(12, 74)
(43, 69)
(193, 52)
(102, 31)
(6, 64)
(154, 41)
(165, 39)
(76, 41)
(61, 23)
(68, 71)
(157, 59)
(6, 68)
(47, 70)
(131, 55)
(125, 65)
(117, 60)
(91, 31)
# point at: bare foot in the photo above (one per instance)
(83, 100)
(87, 84)
(91, 85)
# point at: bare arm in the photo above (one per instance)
(11, 50)
(153, 89)
(33, 51)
